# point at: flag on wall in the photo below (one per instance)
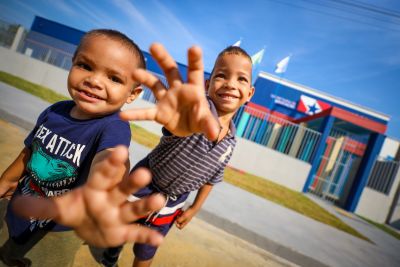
(311, 106)
(282, 65)
(237, 43)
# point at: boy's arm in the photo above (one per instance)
(98, 210)
(10, 177)
(183, 108)
(188, 214)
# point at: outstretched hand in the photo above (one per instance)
(98, 211)
(182, 108)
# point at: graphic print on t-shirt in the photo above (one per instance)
(49, 172)
(53, 165)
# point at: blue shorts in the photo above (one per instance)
(160, 221)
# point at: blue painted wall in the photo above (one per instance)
(57, 30)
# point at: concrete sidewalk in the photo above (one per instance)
(275, 228)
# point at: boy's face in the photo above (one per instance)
(100, 80)
(230, 84)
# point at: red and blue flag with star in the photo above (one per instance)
(311, 106)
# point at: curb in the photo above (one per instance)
(262, 242)
(25, 124)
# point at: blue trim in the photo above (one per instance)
(242, 124)
(374, 146)
(326, 127)
(261, 131)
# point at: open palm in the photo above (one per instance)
(182, 108)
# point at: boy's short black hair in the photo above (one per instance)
(116, 36)
(232, 50)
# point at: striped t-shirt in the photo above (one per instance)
(184, 164)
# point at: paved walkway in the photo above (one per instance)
(279, 230)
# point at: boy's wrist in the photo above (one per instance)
(194, 208)
(8, 180)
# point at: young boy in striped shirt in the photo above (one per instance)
(184, 163)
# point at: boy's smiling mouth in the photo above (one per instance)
(227, 96)
(89, 95)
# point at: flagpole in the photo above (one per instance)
(256, 60)
(281, 68)
(274, 92)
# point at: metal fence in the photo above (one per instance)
(48, 49)
(277, 133)
(383, 175)
(7, 33)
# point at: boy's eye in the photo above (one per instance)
(243, 79)
(219, 75)
(83, 65)
(116, 79)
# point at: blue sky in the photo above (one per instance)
(349, 49)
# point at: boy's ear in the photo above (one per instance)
(134, 94)
(251, 93)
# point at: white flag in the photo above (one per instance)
(257, 57)
(282, 65)
(237, 43)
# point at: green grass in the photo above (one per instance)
(32, 88)
(144, 137)
(266, 189)
(383, 227)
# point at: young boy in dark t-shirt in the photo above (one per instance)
(68, 140)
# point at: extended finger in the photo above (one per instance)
(195, 66)
(151, 81)
(136, 180)
(108, 170)
(210, 127)
(167, 64)
(131, 211)
(138, 114)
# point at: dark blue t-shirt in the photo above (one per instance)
(62, 150)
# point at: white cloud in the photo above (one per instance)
(95, 15)
(134, 15)
(30, 8)
(177, 28)
(65, 8)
